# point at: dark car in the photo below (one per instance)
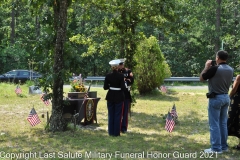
(22, 75)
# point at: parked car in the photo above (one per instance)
(20, 74)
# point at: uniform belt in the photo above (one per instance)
(116, 89)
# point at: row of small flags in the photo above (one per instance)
(171, 116)
(33, 118)
(44, 97)
(171, 119)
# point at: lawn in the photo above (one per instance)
(147, 138)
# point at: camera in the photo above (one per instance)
(125, 73)
(210, 95)
(213, 63)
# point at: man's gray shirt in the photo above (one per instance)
(219, 78)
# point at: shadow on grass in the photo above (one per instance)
(187, 124)
(65, 145)
(159, 96)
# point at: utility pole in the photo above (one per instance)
(222, 46)
(30, 63)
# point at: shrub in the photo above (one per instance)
(151, 68)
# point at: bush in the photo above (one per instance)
(30, 83)
(151, 68)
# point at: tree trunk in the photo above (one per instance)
(12, 36)
(123, 30)
(57, 123)
(218, 25)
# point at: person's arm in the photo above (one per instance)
(106, 84)
(206, 68)
(122, 82)
(235, 86)
(130, 78)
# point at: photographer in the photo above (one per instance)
(219, 80)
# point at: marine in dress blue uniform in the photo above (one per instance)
(128, 78)
(114, 83)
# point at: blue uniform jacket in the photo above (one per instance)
(116, 80)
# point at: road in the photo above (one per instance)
(173, 87)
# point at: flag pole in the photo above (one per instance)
(43, 114)
(85, 96)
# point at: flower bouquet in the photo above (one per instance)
(78, 86)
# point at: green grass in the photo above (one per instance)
(190, 135)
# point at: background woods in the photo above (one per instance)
(61, 37)
(188, 33)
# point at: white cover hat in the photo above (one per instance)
(122, 60)
(114, 62)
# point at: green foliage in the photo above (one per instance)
(152, 68)
(13, 57)
(30, 83)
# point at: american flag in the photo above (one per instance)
(174, 112)
(33, 118)
(163, 89)
(18, 90)
(45, 99)
(169, 123)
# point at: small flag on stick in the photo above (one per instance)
(174, 112)
(45, 99)
(33, 118)
(18, 90)
(169, 123)
(163, 89)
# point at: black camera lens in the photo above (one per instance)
(213, 63)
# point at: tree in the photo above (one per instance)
(57, 122)
(121, 21)
(151, 68)
(218, 25)
(12, 37)
(53, 65)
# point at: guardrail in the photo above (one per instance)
(171, 79)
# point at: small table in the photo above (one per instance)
(87, 109)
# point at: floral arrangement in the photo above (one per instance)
(78, 86)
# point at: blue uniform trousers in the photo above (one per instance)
(125, 115)
(114, 118)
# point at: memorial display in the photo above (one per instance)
(81, 101)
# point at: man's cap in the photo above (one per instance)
(114, 62)
(122, 60)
